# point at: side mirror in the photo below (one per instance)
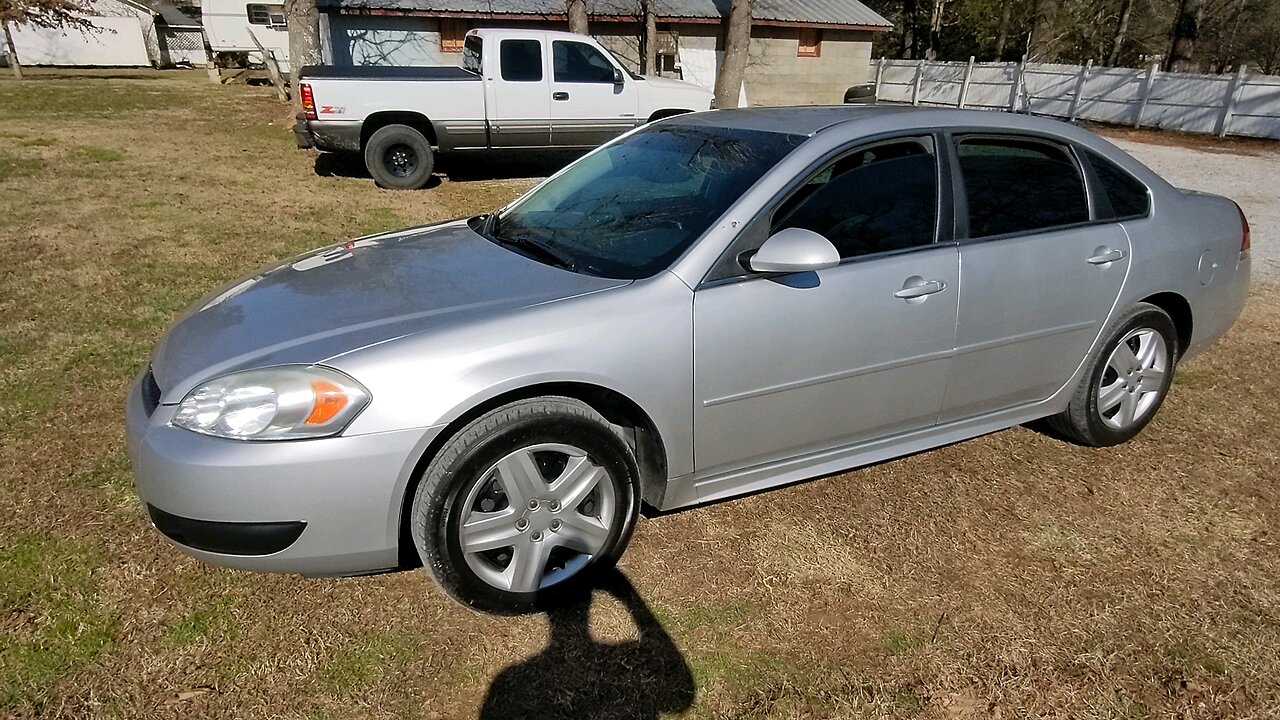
(617, 76)
(794, 250)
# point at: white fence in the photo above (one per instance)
(1239, 104)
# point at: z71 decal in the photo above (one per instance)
(331, 110)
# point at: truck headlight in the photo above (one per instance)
(278, 403)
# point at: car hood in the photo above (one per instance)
(354, 294)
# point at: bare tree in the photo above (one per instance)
(1122, 30)
(1002, 30)
(40, 13)
(576, 10)
(935, 29)
(1043, 46)
(304, 38)
(1186, 28)
(737, 46)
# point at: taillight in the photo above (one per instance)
(1245, 240)
(308, 101)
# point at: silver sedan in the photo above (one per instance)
(711, 305)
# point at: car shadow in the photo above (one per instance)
(577, 676)
(465, 167)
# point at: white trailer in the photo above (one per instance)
(232, 27)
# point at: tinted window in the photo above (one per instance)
(580, 63)
(874, 200)
(1014, 185)
(631, 208)
(521, 60)
(1127, 196)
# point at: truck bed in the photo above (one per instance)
(375, 72)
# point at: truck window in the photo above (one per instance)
(577, 62)
(521, 60)
(471, 54)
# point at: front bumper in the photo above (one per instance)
(326, 507)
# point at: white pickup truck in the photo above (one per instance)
(515, 89)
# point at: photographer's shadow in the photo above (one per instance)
(577, 676)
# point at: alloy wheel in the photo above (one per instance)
(1133, 379)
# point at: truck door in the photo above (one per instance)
(592, 100)
(517, 98)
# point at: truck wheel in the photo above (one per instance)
(399, 158)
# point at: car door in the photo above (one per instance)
(517, 96)
(588, 107)
(789, 364)
(1040, 279)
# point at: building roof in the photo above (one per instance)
(823, 13)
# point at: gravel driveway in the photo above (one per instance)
(1252, 180)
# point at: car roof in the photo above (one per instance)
(857, 120)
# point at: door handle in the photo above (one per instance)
(917, 287)
(1103, 255)
(559, 96)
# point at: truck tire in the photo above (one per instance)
(399, 157)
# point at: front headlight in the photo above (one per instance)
(278, 403)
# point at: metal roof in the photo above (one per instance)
(815, 12)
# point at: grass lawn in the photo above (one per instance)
(1008, 576)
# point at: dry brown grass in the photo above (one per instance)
(1009, 576)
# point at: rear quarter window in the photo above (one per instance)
(1016, 185)
(521, 60)
(1126, 196)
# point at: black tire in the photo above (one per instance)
(1082, 421)
(399, 157)
(465, 461)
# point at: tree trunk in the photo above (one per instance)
(737, 44)
(908, 46)
(649, 58)
(1002, 33)
(1044, 32)
(935, 29)
(576, 10)
(13, 52)
(1186, 28)
(303, 21)
(1122, 29)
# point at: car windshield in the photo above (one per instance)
(631, 208)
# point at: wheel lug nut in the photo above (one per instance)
(522, 524)
(555, 525)
(533, 504)
(555, 506)
(535, 536)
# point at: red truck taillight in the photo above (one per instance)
(308, 101)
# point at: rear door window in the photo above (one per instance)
(521, 60)
(876, 199)
(1126, 196)
(1019, 185)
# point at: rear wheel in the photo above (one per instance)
(399, 157)
(525, 504)
(1127, 382)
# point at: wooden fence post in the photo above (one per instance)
(1146, 93)
(1080, 81)
(915, 90)
(964, 87)
(1229, 104)
(879, 76)
(1015, 94)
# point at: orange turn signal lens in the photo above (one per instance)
(330, 399)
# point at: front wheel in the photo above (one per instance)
(525, 504)
(1127, 382)
(399, 157)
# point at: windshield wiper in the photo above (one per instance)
(547, 253)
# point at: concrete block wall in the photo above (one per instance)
(777, 76)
